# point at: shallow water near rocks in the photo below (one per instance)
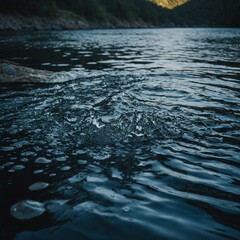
(142, 142)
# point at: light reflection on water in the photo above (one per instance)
(145, 144)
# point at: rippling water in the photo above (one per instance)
(141, 143)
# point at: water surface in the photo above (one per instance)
(141, 142)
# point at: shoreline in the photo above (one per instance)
(17, 22)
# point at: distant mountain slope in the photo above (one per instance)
(189, 13)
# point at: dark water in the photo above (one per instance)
(141, 142)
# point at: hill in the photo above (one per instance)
(128, 13)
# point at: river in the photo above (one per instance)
(140, 141)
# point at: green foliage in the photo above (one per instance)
(33, 7)
(90, 9)
(213, 13)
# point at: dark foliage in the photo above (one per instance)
(214, 13)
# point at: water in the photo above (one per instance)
(142, 142)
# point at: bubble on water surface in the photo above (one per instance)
(78, 152)
(27, 209)
(7, 149)
(38, 186)
(56, 152)
(38, 171)
(65, 168)
(26, 154)
(24, 160)
(61, 159)
(42, 160)
(20, 144)
(16, 168)
(126, 209)
(8, 164)
(82, 162)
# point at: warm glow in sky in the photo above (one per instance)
(170, 4)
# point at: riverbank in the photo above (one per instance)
(14, 22)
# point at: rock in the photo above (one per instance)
(13, 72)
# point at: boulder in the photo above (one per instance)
(13, 72)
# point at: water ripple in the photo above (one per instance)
(115, 149)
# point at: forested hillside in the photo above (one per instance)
(214, 13)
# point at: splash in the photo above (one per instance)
(169, 4)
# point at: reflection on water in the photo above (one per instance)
(143, 146)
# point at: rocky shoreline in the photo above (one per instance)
(10, 22)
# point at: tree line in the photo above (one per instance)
(195, 13)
